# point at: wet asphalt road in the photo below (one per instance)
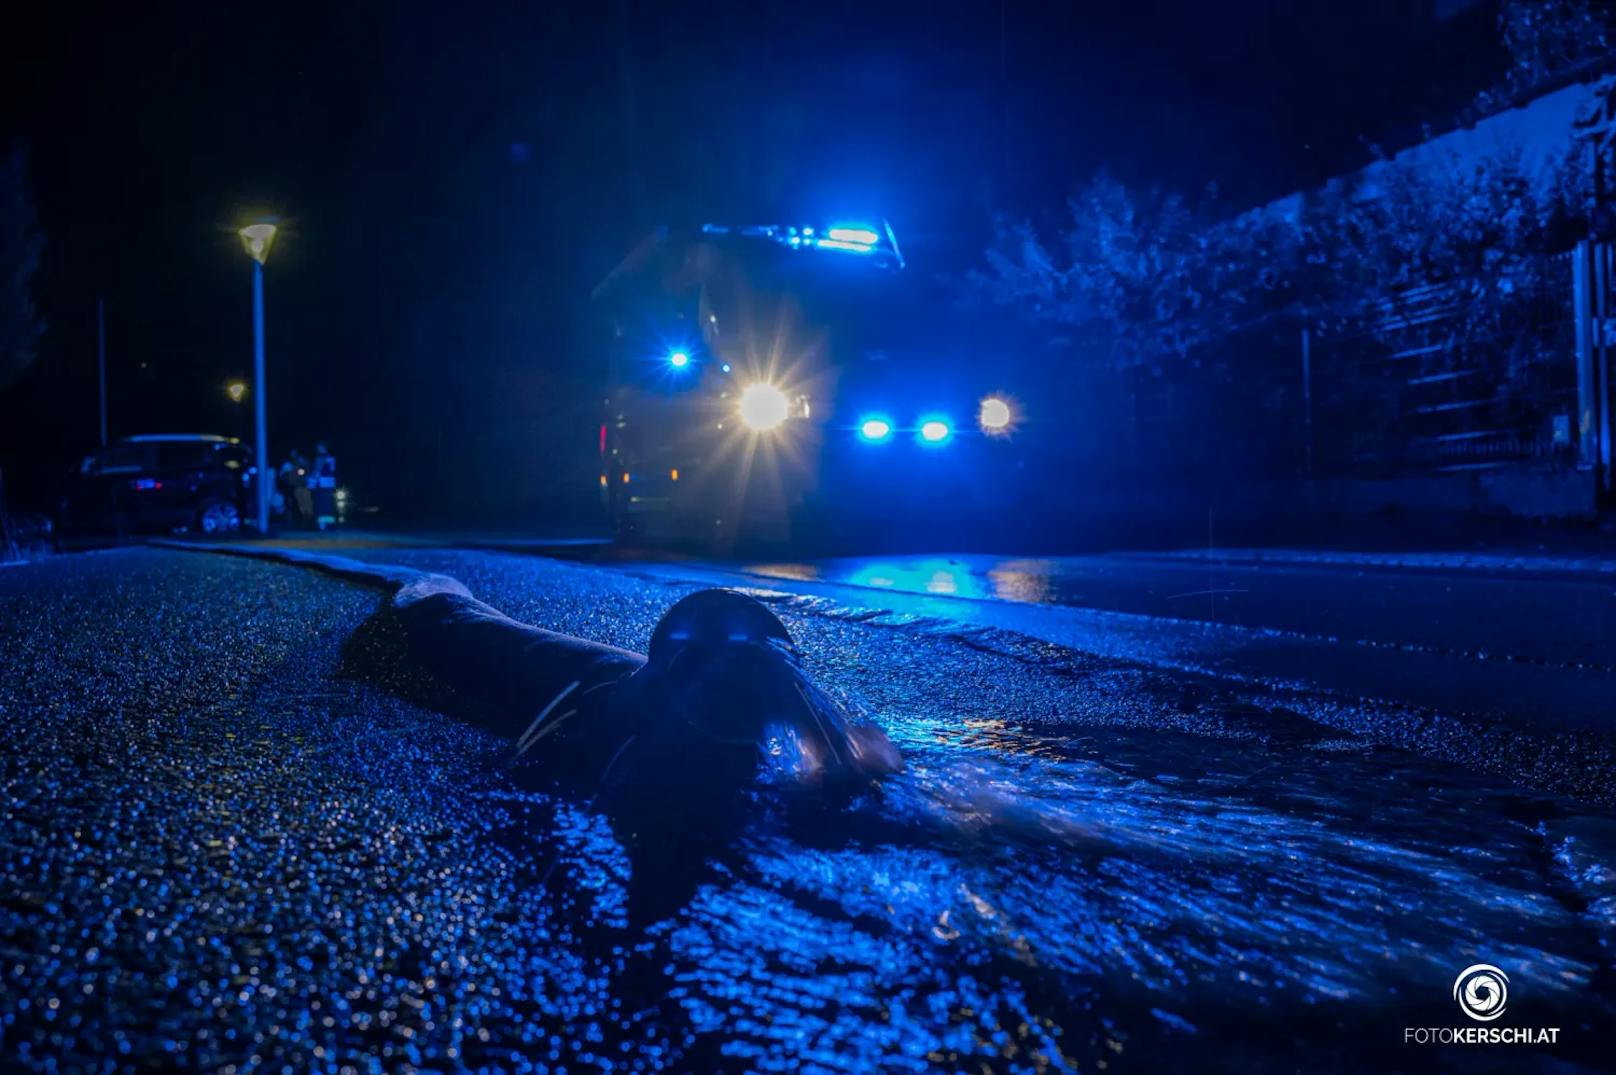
(242, 832)
(1533, 649)
(1564, 619)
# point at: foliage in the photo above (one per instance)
(1138, 273)
(1134, 276)
(21, 246)
(1548, 38)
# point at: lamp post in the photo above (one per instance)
(257, 239)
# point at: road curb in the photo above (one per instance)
(1575, 569)
(386, 577)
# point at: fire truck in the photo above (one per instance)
(768, 383)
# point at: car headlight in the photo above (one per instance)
(763, 406)
(995, 415)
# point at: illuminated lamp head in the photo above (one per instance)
(256, 238)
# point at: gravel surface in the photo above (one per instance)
(221, 852)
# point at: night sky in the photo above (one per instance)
(453, 181)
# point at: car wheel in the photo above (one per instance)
(219, 517)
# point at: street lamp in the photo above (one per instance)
(236, 390)
(256, 238)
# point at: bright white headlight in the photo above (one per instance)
(995, 415)
(763, 406)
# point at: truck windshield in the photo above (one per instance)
(774, 300)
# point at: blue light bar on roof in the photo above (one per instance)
(852, 233)
(849, 236)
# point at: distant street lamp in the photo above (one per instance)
(256, 238)
(236, 390)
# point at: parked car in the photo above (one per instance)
(160, 483)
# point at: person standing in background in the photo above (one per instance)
(323, 483)
(288, 484)
(302, 494)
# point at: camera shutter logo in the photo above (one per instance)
(1481, 991)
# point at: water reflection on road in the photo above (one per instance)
(1026, 580)
(1056, 904)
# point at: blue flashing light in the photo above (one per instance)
(935, 430)
(861, 234)
(875, 429)
(679, 359)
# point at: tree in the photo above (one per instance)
(1138, 278)
(1550, 38)
(21, 246)
(1132, 278)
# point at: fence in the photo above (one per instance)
(1464, 375)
